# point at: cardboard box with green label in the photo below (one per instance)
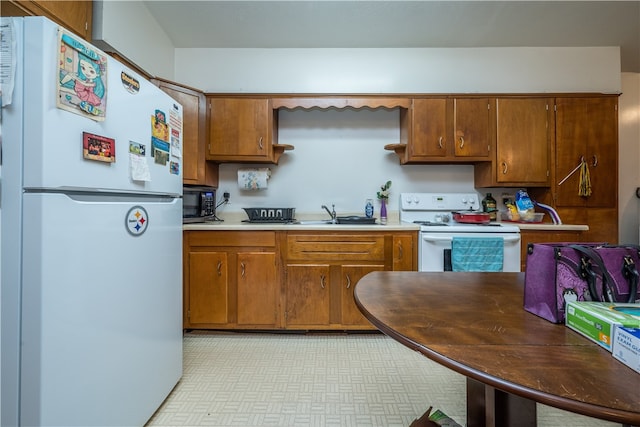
(598, 320)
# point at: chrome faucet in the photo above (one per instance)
(332, 213)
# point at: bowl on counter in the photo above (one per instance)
(535, 219)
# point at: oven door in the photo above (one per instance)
(435, 249)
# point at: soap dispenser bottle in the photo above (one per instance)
(368, 208)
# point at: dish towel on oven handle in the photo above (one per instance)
(477, 253)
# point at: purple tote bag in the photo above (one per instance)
(552, 277)
(561, 272)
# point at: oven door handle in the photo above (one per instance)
(432, 238)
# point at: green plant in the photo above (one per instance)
(384, 191)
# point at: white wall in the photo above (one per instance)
(128, 28)
(629, 158)
(415, 70)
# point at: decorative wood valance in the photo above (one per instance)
(326, 102)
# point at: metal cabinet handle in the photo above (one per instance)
(219, 268)
(348, 281)
(504, 168)
(595, 161)
(461, 141)
(440, 142)
(322, 281)
(260, 143)
(242, 269)
(400, 251)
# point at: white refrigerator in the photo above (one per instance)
(91, 211)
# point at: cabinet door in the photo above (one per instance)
(587, 129)
(523, 140)
(602, 222)
(429, 125)
(308, 295)
(76, 16)
(404, 258)
(602, 151)
(257, 289)
(529, 236)
(195, 168)
(351, 274)
(208, 287)
(472, 127)
(239, 128)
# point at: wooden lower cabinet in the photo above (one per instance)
(267, 280)
(320, 296)
(308, 296)
(351, 316)
(258, 289)
(231, 280)
(405, 256)
(321, 270)
(532, 236)
(209, 288)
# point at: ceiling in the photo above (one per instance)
(398, 23)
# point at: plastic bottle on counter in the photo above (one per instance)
(368, 208)
(524, 205)
(489, 205)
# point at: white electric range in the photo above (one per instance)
(433, 211)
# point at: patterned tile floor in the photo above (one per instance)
(281, 380)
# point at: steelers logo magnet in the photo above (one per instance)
(137, 221)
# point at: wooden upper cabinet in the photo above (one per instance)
(447, 130)
(243, 130)
(195, 168)
(524, 136)
(429, 137)
(472, 127)
(76, 16)
(587, 129)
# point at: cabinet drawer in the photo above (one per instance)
(232, 238)
(336, 247)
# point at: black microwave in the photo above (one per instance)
(198, 203)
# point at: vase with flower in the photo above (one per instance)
(383, 196)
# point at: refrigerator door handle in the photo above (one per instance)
(100, 195)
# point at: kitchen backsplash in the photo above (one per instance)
(339, 158)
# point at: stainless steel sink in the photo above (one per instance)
(312, 222)
(341, 220)
(352, 220)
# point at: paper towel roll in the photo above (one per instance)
(253, 179)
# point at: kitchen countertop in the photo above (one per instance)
(233, 222)
(547, 226)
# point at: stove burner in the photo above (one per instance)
(431, 223)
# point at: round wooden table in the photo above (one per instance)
(475, 324)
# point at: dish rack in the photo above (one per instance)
(270, 214)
